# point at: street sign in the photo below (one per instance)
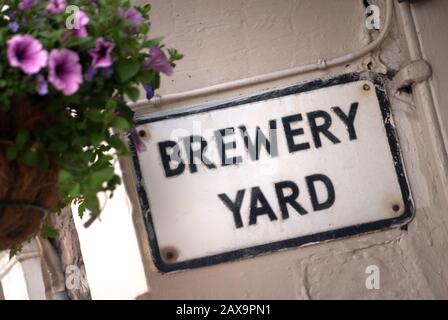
(285, 168)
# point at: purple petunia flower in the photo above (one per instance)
(27, 4)
(13, 26)
(42, 85)
(158, 61)
(138, 142)
(133, 15)
(56, 6)
(101, 53)
(81, 21)
(64, 71)
(149, 91)
(11, 14)
(90, 73)
(26, 53)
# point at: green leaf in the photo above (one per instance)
(97, 178)
(59, 145)
(97, 137)
(11, 153)
(152, 42)
(21, 139)
(143, 28)
(42, 162)
(120, 123)
(30, 157)
(75, 190)
(75, 41)
(146, 76)
(104, 161)
(92, 203)
(82, 209)
(119, 145)
(48, 232)
(35, 158)
(126, 112)
(116, 180)
(156, 83)
(175, 55)
(15, 251)
(133, 93)
(127, 69)
(94, 115)
(146, 8)
(65, 177)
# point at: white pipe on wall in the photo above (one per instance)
(320, 65)
(422, 91)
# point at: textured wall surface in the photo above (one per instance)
(225, 40)
(431, 25)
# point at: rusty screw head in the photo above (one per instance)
(169, 254)
(143, 134)
(366, 87)
(396, 207)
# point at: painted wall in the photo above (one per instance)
(225, 40)
(21, 276)
(431, 22)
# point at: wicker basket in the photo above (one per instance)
(25, 192)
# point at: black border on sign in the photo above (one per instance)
(295, 242)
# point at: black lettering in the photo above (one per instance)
(310, 181)
(291, 133)
(323, 128)
(348, 119)
(255, 210)
(260, 139)
(198, 153)
(284, 200)
(235, 207)
(224, 146)
(167, 158)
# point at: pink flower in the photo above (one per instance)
(56, 6)
(26, 53)
(133, 15)
(27, 4)
(158, 61)
(64, 71)
(101, 53)
(81, 21)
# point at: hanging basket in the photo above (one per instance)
(26, 193)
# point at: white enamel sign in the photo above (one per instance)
(304, 164)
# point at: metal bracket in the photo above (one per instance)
(415, 72)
